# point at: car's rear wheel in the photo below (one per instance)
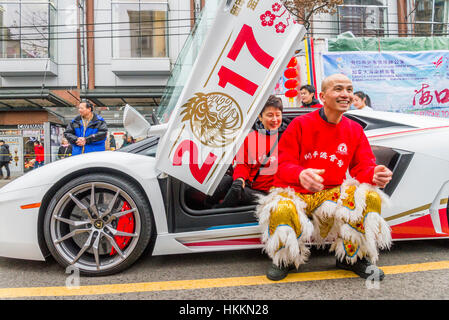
(98, 224)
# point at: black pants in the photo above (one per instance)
(232, 197)
(6, 165)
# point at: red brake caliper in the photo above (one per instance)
(125, 224)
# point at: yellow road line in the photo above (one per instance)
(206, 283)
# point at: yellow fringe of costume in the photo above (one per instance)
(347, 216)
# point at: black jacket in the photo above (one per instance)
(64, 152)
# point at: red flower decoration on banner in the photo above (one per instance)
(280, 27)
(267, 18)
(276, 7)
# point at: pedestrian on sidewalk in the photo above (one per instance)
(88, 131)
(5, 159)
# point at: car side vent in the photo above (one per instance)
(394, 159)
(371, 124)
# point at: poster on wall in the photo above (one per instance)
(408, 82)
(56, 135)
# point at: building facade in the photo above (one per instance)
(53, 53)
(384, 18)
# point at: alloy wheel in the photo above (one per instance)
(95, 226)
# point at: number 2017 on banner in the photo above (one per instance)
(226, 76)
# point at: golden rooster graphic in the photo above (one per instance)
(215, 118)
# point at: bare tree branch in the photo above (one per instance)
(304, 10)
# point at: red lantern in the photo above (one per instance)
(291, 84)
(291, 73)
(291, 93)
(293, 62)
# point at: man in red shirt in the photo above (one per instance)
(313, 200)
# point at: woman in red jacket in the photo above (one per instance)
(256, 161)
(39, 153)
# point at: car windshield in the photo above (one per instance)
(186, 59)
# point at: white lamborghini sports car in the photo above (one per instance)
(101, 211)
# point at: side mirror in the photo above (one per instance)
(137, 126)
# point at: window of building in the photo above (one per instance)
(364, 18)
(139, 29)
(431, 17)
(25, 29)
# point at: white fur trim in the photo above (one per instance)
(293, 250)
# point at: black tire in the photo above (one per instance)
(78, 235)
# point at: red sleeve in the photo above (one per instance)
(363, 163)
(242, 168)
(289, 151)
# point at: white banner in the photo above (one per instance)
(246, 50)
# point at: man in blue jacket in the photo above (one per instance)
(87, 132)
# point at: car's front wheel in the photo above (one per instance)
(99, 224)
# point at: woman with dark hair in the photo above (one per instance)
(256, 161)
(362, 101)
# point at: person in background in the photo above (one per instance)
(5, 158)
(39, 154)
(362, 101)
(314, 198)
(307, 95)
(88, 131)
(112, 144)
(65, 150)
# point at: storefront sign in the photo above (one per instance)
(246, 50)
(410, 82)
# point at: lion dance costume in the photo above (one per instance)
(346, 213)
